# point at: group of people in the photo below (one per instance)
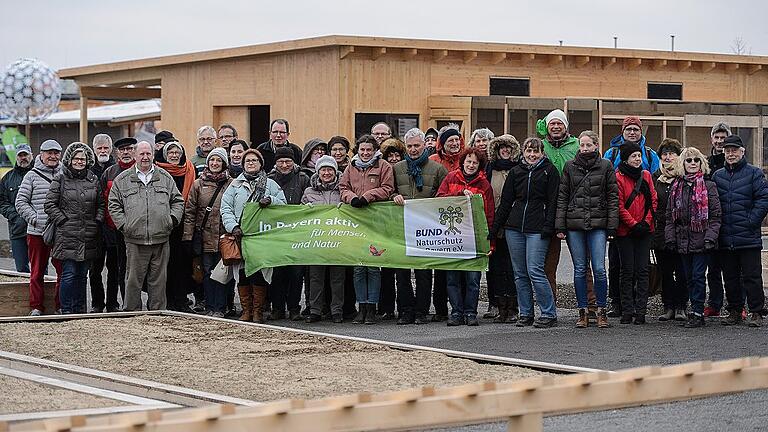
(154, 216)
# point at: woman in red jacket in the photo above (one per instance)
(468, 180)
(637, 205)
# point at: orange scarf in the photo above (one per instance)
(187, 170)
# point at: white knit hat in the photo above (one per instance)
(326, 161)
(220, 152)
(557, 115)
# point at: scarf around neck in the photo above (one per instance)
(586, 160)
(186, 170)
(362, 166)
(667, 173)
(414, 168)
(630, 171)
(124, 166)
(319, 186)
(699, 210)
(207, 175)
(258, 184)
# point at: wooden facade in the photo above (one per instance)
(320, 84)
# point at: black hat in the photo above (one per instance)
(431, 131)
(669, 145)
(283, 152)
(163, 136)
(338, 139)
(124, 142)
(733, 141)
(626, 150)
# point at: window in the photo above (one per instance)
(400, 123)
(673, 91)
(506, 86)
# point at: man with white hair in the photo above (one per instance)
(206, 141)
(102, 149)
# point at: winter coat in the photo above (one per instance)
(678, 235)
(559, 155)
(198, 160)
(376, 183)
(455, 184)
(145, 214)
(314, 196)
(107, 179)
(743, 193)
(433, 174)
(76, 206)
(497, 176)
(98, 168)
(716, 161)
(663, 190)
(236, 196)
(588, 198)
(195, 210)
(651, 161)
(267, 150)
(9, 188)
(31, 196)
(293, 184)
(631, 216)
(529, 199)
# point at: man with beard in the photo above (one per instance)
(206, 140)
(113, 239)
(17, 226)
(102, 149)
(285, 289)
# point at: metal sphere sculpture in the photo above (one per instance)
(29, 91)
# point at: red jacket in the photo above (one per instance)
(455, 183)
(631, 216)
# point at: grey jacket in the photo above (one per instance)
(145, 215)
(31, 197)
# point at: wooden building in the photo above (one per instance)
(342, 85)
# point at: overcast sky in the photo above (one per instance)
(85, 32)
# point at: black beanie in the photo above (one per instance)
(283, 153)
(627, 149)
(447, 134)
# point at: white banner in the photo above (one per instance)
(439, 228)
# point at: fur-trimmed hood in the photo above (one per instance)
(69, 153)
(506, 139)
(392, 145)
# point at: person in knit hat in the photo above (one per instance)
(338, 147)
(632, 131)
(202, 226)
(674, 293)
(450, 144)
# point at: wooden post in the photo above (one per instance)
(506, 117)
(532, 422)
(84, 119)
(600, 123)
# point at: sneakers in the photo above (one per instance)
(35, 312)
(472, 321)
(217, 314)
(668, 315)
(545, 322)
(755, 320)
(680, 315)
(524, 321)
(711, 312)
(583, 321)
(421, 319)
(453, 322)
(733, 318)
(694, 321)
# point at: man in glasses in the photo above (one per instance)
(227, 134)
(278, 137)
(381, 132)
(206, 141)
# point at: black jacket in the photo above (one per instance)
(588, 197)
(529, 199)
(662, 194)
(293, 184)
(98, 169)
(267, 150)
(743, 193)
(9, 187)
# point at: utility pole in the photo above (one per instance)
(561, 42)
(673, 42)
(615, 41)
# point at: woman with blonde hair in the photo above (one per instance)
(693, 225)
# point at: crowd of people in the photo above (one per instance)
(154, 216)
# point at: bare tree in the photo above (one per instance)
(740, 47)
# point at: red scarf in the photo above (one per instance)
(187, 171)
(124, 166)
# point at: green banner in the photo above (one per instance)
(437, 233)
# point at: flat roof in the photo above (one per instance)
(113, 113)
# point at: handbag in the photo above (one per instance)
(229, 248)
(49, 233)
(197, 234)
(654, 275)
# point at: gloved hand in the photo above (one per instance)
(237, 232)
(641, 228)
(359, 202)
(491, 236)
(264, 202)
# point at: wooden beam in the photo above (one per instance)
(708, 66)
(634, 63)
(377, 52)
(683, 65)
(409, 53)
(608, 62)
(731, 67)
(469, 56)
(658, 64)
(582, 61)
(439, 55)
(555, 59)
(527, 58)
(120, 93)
(346, 50)
(83, 119)
(498, 57)
(751, 69)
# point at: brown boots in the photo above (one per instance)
(246, 302)
(583, 321)
(252, 299)
(602, 318)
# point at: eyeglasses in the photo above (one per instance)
(209, 139)
(280, 132)
(125, 149)
(252, 161)
(227, 136)
(338, 149)
(691, 160)
(79, 159)
(382, 134)
(636, 130)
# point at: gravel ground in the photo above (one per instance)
(6, 278)
(241, 361)
(21, 396)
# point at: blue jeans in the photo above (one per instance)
(367, 284)
(586, 247)
(528, 252)
(463, 305)
(695, 267)
(20, 256)
(73, 283)
(215, 292)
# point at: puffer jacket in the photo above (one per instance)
(31, 197)
(631, 216)
(236, 196)
(678, 234)
(743, 193)
(662, 194)
(433, 173)
(76, 206)
(195, 209)
(293, 184)
(588, 198)
(9, 188)
(145, 214)
(316, 196)
(455, 184)
(529, 199)
(376, 183)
